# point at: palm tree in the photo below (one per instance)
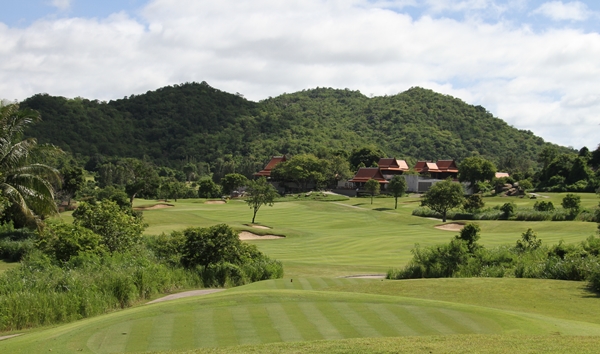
(28, 187)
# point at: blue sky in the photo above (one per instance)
(532, 63)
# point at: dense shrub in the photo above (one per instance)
(15, 243)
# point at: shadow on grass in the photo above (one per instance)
(383, 209)
(359, 204)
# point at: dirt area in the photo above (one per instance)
(157, 206)
(11, 336)
(453, 226)
(245, 235)
(214, 202)
(185, 294)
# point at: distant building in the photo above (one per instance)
(266, 172)
(448, 168)
(366, 173)
(502, 174)
(391, 167)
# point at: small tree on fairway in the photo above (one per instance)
(470, 234)
(397, 187)
(260, 192)
(443, 196)
(372, 186)
(572, 203)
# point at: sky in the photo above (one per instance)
(533, 63)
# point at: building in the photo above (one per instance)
(266, 172)
(366, 173)
(391, 167)
(448, 168)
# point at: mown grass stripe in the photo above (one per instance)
(314, 283)
(305, 284)
(264, 326)
(315, 314)
(307, 329)
(162, 332)
(204, 330)
(223, 323)
(356, 320)
(322, 283)
(244, 326)
(396, 326)
(287, 330)
(139, 333)
(470, 325)
(429, 317)
(116, 338)
(183, 331)
(415, 325)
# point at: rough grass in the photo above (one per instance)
(7, 265)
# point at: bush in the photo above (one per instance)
(473, 203)
(543, 206)
(62, 241)
(508, 209)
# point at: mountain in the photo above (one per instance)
(196, 121)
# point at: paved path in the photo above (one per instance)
(366, 276)
(11, 336)
(185, 294)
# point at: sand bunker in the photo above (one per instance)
(453, 226)
(214, 202)
(258, 226)
(366, 276)
(245, 235)
(157, 206)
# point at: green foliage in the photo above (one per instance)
(508, 209)
(72, 180)
(372, 186)
(259, 193)
(120, 229)
(397, 188)
(15, 243)
(61, 241)
(443, 196)
(365, 156)
(543, 206)
(28, 187)
(528, 241)
(476, 169)
(216, 244)
(572, 203)
(304, 170)
(213, 124)
(470, 235)
(232, 182)
(207, 188)
(473, 203)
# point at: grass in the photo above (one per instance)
(337, 310)
(7, 265)
(312, 310)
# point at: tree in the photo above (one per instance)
(473, 203)
(216, 244)
(476, 169)
(528, 241)
(303, 170)
(120, 229)
(232, 181)
(27, 186)
(571, 202)
(508, 209)
(443, 196)
(373, 187)
(397, 187)
(367, 155)
(190, 170)
(207, 188)
(73, 180)
(142, 178)
(63, 241)
(260, 192)
(470, 234)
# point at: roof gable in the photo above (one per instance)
(267, 170)
(366, 173)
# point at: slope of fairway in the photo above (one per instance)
(253, 317)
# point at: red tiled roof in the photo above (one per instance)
(420, 165)
(390, 164)
(366, 173)
(424, 166)
(447, 166)
(267, 170)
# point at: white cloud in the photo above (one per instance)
(545, 82)
(61, 4)
(559, 11)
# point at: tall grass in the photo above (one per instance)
(520, 214)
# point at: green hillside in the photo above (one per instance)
(195, 121)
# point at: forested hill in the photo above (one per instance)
(196, 121)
